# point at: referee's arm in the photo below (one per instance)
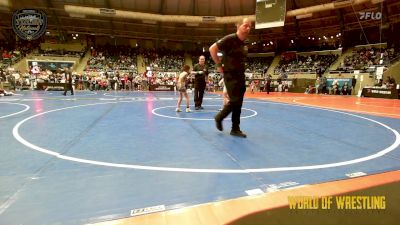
(214, 55)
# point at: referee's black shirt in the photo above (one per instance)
(234, 53)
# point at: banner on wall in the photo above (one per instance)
(341, 81)
(49, 65)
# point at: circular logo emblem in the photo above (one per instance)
(29, 24)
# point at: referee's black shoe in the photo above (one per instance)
(238, 133)
(218, 124)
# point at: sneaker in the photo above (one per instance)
(178, 110)
(201, 107)
(218, 124)
(238, 133)
(196, 108)
(188, 110)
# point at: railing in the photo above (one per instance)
(393, 61)
(77, 55)
(298, 71)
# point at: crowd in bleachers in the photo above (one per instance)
(12, 53)
(363, 59)
(112, 58)
(110, 81)
(103, 81)
(305, 64)
(115, 67)
(253, 64)
(164, 60)
(258, 64)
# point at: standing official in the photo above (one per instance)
(234, 50)
(267, 83)
(200, 71)
(68, 81)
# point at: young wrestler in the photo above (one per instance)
(181, 86)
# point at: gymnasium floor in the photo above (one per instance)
(96, 157)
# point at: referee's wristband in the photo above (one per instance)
(218, 65)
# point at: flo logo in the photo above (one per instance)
(370, 15)
(29, 24)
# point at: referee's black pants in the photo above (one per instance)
(199, 87)
(236, 87)
(68, 86)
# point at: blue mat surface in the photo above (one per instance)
(96, 156)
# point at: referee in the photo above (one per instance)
(68, 82)
(200, 71)
(232, 67)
